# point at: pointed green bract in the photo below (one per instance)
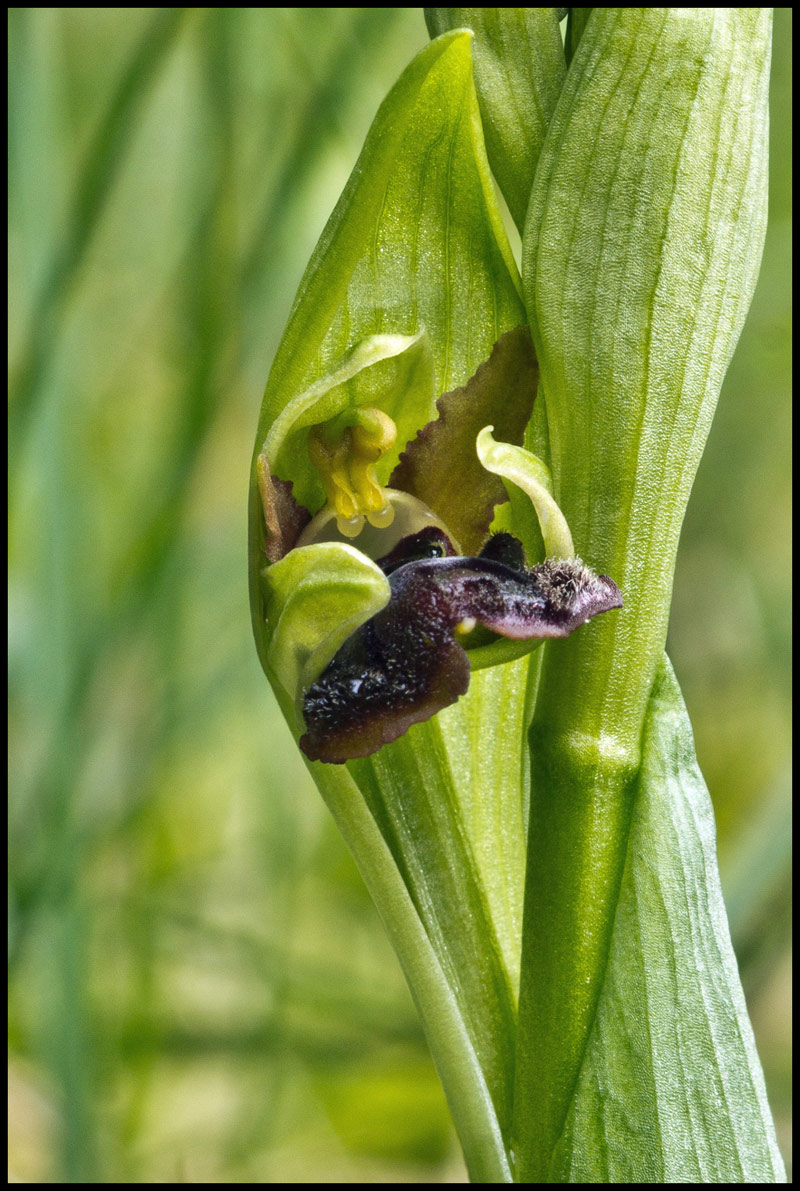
(519, 72)
(670, 1089)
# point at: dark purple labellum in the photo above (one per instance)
(406, 663)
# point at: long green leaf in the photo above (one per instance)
(670, 1089)
(641, 252)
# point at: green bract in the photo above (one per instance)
(416, 243)
(540, 850)
(519, 72)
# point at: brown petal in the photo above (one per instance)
(284, 518)
(440, 466)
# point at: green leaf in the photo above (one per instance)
(670, 1088)
(416, 248)
(519, 72)
(640, 256)
(459, 1055)
(576, 23)
(416, 789)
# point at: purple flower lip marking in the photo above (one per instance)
(409, 660)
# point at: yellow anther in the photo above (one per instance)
(345, 452)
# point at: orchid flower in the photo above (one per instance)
(428, 612)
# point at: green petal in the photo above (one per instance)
(522, 469)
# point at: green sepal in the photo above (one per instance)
(315, 598)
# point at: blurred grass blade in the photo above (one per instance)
(95, 179)
(315, 112)
(672, 1038)
(519, 72)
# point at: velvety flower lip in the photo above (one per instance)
(408, 662)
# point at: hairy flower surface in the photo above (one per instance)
(409, 660)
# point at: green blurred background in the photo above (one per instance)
(200, 988)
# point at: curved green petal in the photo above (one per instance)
(523, 469)
(393, 373)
